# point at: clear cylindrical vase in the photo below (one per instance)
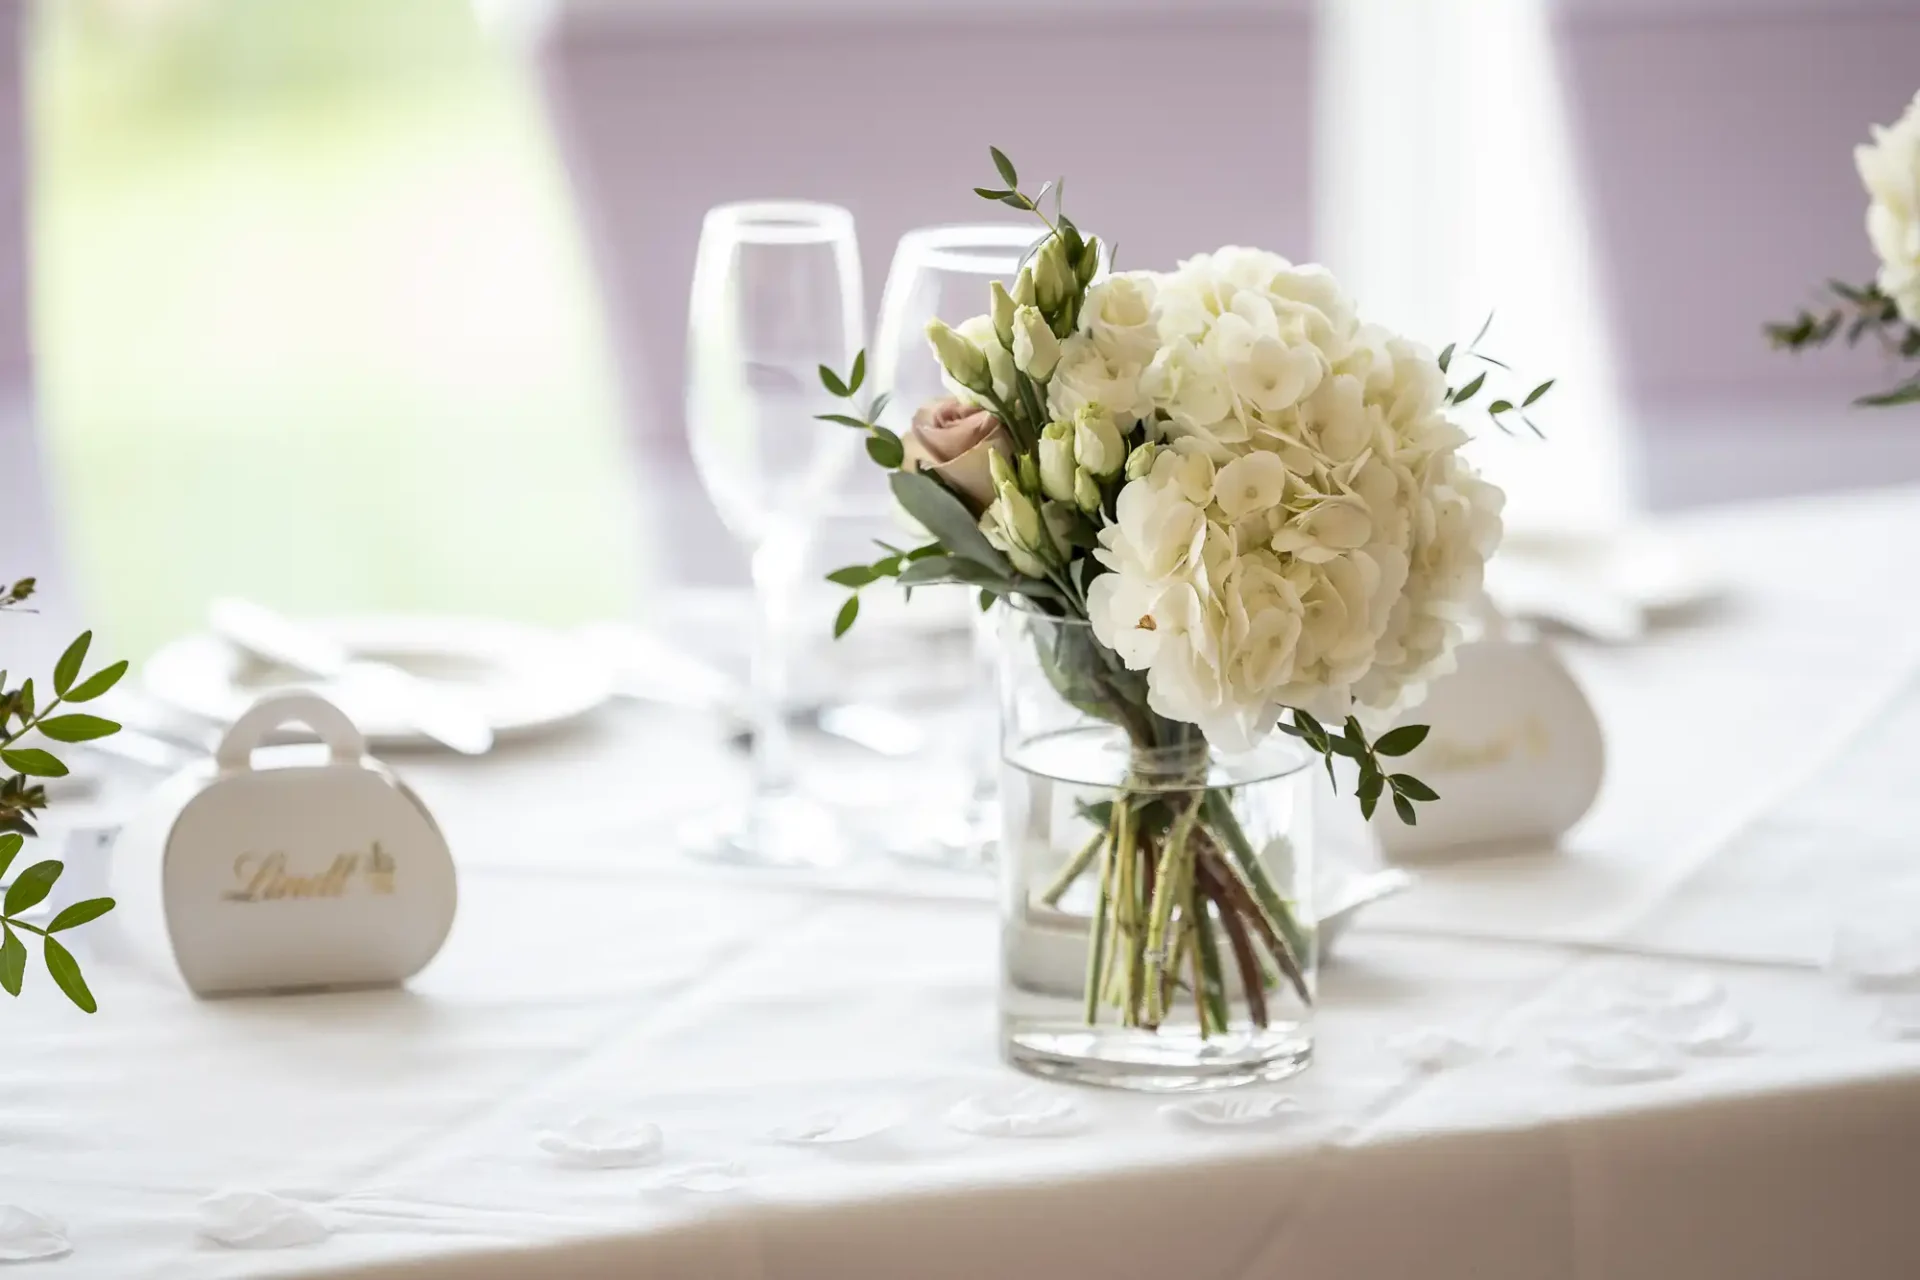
(1156, 893)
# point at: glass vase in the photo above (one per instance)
(1156, 914)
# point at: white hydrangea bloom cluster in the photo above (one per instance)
(1307, 535)
(1890, 170)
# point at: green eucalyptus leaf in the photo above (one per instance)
(78, 913)
(947, 518)
(30, 887)
(1411, 787)
(33, 762)
(10, 846)
(13, 961)
(885, 448)
(98, 683)
(1537, 392)
(831, 381)
(844, 619)
(1906, 393)
(67, 670)
(1499, 407)
(1005, 167)
(66, 974)
(986, 599)
(845, 420)
(1404, 807)
(78, 728)
(1472, 388)
(1446, 357)
(854, 576)
(859, 374)
(988, 193)
(1397, 742)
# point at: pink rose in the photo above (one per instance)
(952, 440)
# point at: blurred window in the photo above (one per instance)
(313, 319)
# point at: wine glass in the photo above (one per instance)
(776, 294)
(938, 273)
(943, 273)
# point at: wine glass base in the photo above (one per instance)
(949, 842)
(772, 831)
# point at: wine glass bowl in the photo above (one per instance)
(776, 294)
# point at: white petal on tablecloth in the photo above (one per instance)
(1877, 954)
(242, 1219)
(1233, 1111)
(824, 1128)
(1618, 1054)
(1020, 1112)
(1701, 1032)
(710, 1177)
(602, 1142)
(1434, 1048)
(26, 1236)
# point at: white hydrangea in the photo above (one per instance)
(1890, 169)
(1311, 537)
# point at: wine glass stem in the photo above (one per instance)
(775, 562)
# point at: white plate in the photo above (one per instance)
(523, 679)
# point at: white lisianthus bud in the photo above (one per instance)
(1140, 461)
(1001, 472)
(1029, 473)
(1097, 445)
(1023, 288)
(1003, 309)
(1086, 493)
(966, 363)
(1057, 463)
(1088, 262)
(1023, 560)
(1053, 279)
(1019, 519)
(1035, 350)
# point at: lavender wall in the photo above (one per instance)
(1196, 132)
(1719, 155)
(1715, 137)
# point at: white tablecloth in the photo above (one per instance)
(1761, 788)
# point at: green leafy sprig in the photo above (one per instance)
(1375, 781)
(883, 446)
(1855, 312)
(1499, 407)
(22, 797)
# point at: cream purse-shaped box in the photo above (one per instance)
(1515, 753)
(249, 879)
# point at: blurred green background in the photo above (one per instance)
(314, 320)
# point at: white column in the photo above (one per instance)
(1446, 187)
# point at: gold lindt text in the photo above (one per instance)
(270, 877)
(1528, 738)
